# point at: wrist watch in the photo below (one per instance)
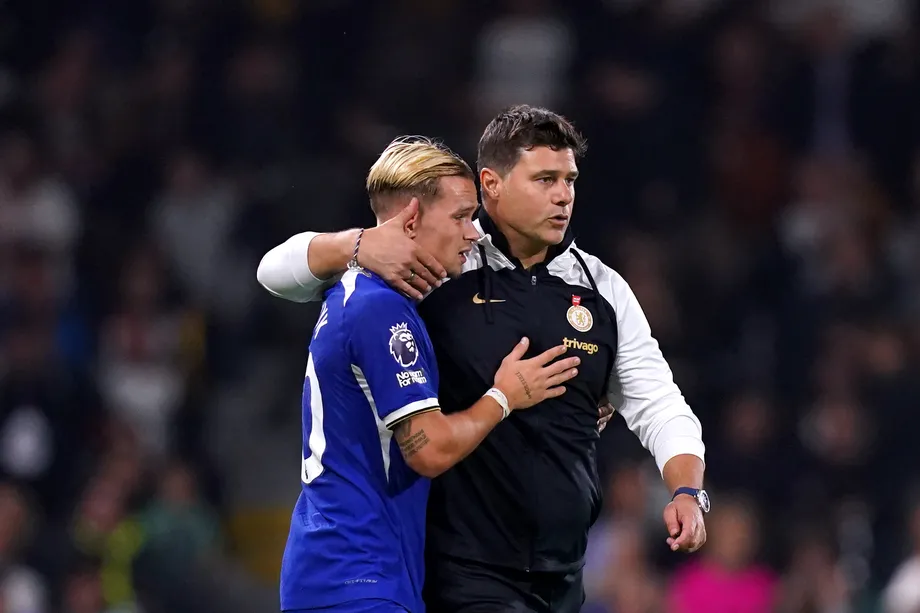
(701, 497)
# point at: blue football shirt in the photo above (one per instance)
(358, 528)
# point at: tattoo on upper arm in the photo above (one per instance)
(410, 442)
(403, 429)
(524, 383)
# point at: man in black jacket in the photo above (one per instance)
(508, 526)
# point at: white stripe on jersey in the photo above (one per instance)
(385, 433)
(312, 467)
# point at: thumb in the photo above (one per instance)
(519, 350)
(407, 213)
(671, 521)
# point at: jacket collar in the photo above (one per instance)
(497, 240)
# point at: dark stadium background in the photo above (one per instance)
(753, 172)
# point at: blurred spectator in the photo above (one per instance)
(34, 287)
(178, 527)
(148, 348)
(902, 595)
(194, 220)
(22, 590)
(83, 592)
(50, 417)
(727, 576)
(814, 580)
(748, 445)
(524, 54)
(619, 574)
(260, 83)
(34, 206)
(905, 245)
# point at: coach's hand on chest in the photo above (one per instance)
(472, 334)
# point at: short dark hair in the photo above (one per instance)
(521, 128)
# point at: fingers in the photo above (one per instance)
(519, 350)
(700, 539)
(404, 288)
(554, 392)
(687, 530)
(430, 269)
(420, 282)
(406, 214)
(604, 415)
(684, 542)
(549, 355)
(691, 537)
(427, 271)
(602, 423)
(561, 378)
(562, 365)
(672, 521)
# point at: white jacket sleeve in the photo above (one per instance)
(641, 385)
(285, 271)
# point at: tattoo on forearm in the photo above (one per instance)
(524, 383)
(410, 442)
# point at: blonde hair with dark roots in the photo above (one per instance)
(411, 166)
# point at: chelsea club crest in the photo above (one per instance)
(579, 317)
(402, 345)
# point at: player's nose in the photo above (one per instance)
(470, 233)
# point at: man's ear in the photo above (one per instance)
(411, 219)
(491, 183)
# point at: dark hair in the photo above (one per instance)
(523, 127)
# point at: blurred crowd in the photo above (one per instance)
(753, 172)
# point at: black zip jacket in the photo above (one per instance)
(526, 497)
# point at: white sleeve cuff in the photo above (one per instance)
(299, 259)
(285, 272)
(419, 406)
(679, 436)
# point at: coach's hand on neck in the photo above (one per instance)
(386, 250)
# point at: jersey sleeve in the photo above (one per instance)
(391, 357)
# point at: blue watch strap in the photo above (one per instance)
(700, 496)
(685, 490)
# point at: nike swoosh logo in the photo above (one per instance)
(478, 300)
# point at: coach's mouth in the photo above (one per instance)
(559, 220)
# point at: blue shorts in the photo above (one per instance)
(365, 605)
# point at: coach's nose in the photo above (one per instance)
(563, 194)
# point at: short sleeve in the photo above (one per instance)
(391, 357)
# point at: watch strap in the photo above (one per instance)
(690, 491)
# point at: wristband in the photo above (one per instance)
(501, 399)
(353, 264)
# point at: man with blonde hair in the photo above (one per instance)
(373, 432)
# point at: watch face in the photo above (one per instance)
(703, 498)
